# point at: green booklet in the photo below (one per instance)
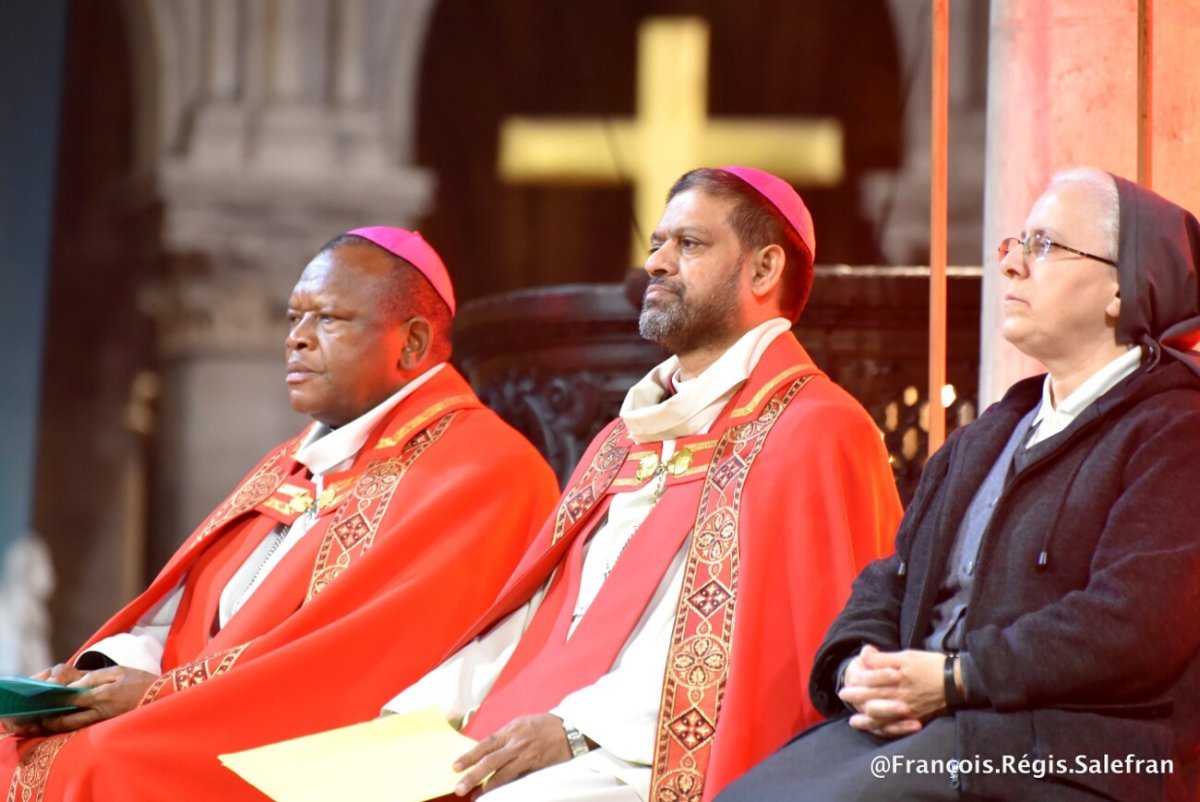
(23, 698)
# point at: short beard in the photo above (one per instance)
(682, 325)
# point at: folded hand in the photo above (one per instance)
(893, 692)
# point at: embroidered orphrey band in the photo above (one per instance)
(33, 771)
(252, 492)
(698, 661)
(578, 500)
(353, 529)
(195, 673)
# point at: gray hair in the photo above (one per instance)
(1101, 187)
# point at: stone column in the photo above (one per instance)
(1176, 99)
(278, 124)
(1063, 92)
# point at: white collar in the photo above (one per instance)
(1050, 420)
(650, 417)
(324, 448)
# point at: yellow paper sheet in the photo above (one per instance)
(399, 758)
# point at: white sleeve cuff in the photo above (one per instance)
(134, 651)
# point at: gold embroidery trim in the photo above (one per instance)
(194, 673)
(579, 499)
(628, 482)
(678, 465)
(301, 499)
(420, 420)
(364, 512)
(769, 387)
(33, 771)
(252, 492)
(702, 639)
(333, 492)
(278, 506)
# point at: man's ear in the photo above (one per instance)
(768, 265)
(1113, 309)
(418, 338)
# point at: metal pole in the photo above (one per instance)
(1145, 97)
(937, 223)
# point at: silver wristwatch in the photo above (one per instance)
(576, 741)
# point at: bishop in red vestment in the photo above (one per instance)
(656, 640)
(349, 560)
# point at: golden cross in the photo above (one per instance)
(670, 134)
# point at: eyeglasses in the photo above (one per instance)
(1037, 246)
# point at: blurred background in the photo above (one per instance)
(170, 166)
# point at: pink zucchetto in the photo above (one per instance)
(782, 197)
(412, 248)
